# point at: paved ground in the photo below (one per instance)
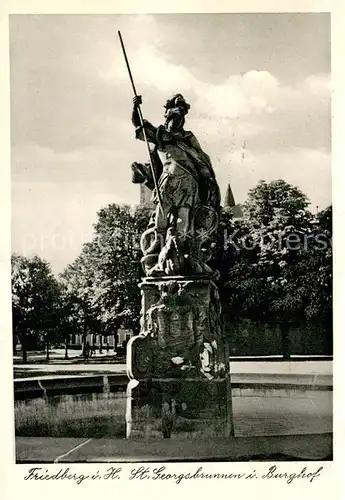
(268, 367)
(74, 353)
(58, 450)
(261, 375)
(57, 354)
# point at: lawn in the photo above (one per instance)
(93, 416)
(71, 417)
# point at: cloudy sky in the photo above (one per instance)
(259, 86)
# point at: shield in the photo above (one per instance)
(205, 221)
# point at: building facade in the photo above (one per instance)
(145, 196)
(122, 336)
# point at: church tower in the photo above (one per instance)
(229, 200)
(230, 204)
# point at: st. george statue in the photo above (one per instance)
(178, 238)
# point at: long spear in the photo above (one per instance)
(142, 125)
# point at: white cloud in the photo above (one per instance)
(74, 140)
(239, 95)
(252, 93)
(306, 168)
(319, 85)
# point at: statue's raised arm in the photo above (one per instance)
(149, 128)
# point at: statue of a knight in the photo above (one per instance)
(177, 241)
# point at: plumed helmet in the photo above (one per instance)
(177, 100)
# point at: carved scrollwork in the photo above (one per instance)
(139, 358)
(182, 328)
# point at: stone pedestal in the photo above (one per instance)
(179, 365)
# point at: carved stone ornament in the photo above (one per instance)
(180, 331)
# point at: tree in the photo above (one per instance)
(77, 285)
(269, 204)
(320, 261)
(117, 254)
(278, 272)
(103, 280)
(68, 314)
(35, 296)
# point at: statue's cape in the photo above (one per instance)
(200, 157)
(188, 143)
